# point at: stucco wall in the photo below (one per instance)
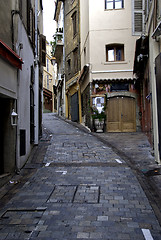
(24, 88)
(8, 79)
(5, 21)
(111, 27)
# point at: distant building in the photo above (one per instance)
(48, 81)
(59, 54)
(107, 54)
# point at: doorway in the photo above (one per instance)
(158, 90)
(1, 138)
(121, 114)
(74, 108)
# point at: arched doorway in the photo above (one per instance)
(121, 114)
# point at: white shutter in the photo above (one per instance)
(137, 16)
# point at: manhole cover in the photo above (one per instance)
(85, 193)
(62, 194)
(17, 216)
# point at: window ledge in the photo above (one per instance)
(114, 9)
(117, 62)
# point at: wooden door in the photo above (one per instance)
(74, 108)
(121, 115)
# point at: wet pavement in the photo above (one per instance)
(80, 185)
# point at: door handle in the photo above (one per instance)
(121, 115)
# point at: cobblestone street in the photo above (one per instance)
(78, 188)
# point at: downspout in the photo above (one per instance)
(36, 87)
(13, 12)
(18, 165)
(17, 158)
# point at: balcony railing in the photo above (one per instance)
(58, 41)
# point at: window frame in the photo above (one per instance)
(69, 66)
(74, 22)
(138, 17)
(114, 4)
(115, 47)
(75, 60)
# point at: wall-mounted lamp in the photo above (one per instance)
(14, 118)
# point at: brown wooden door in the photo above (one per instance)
(121, 115)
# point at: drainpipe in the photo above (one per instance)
(18, 165)
(64, 95)
(16, 104)
(36, 84)
(13, 12)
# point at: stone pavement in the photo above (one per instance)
(76, 186)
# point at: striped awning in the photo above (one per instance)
(108, 80)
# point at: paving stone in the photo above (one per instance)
(82, 194)
(102, 218)
(82, 235)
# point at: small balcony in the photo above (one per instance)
(58, 44)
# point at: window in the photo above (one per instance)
(75, 55)
(114, 4)
(138, 16)
(85, 54)
(74, 20)
(115, 87)
(114, 53)
(47, 81)
(69, 66)
(42, 50)
(47, 65)
(99, 103)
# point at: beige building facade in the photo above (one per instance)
(107, 56)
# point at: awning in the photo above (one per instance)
(107, 80)
(47, 93)
(8, 54)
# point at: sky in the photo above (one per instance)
(48, 16)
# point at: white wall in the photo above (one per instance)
(24, 90)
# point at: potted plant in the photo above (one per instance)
(99, 118)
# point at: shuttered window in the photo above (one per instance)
(43, 50)
(137, 16)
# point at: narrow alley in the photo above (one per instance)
(74, 186)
